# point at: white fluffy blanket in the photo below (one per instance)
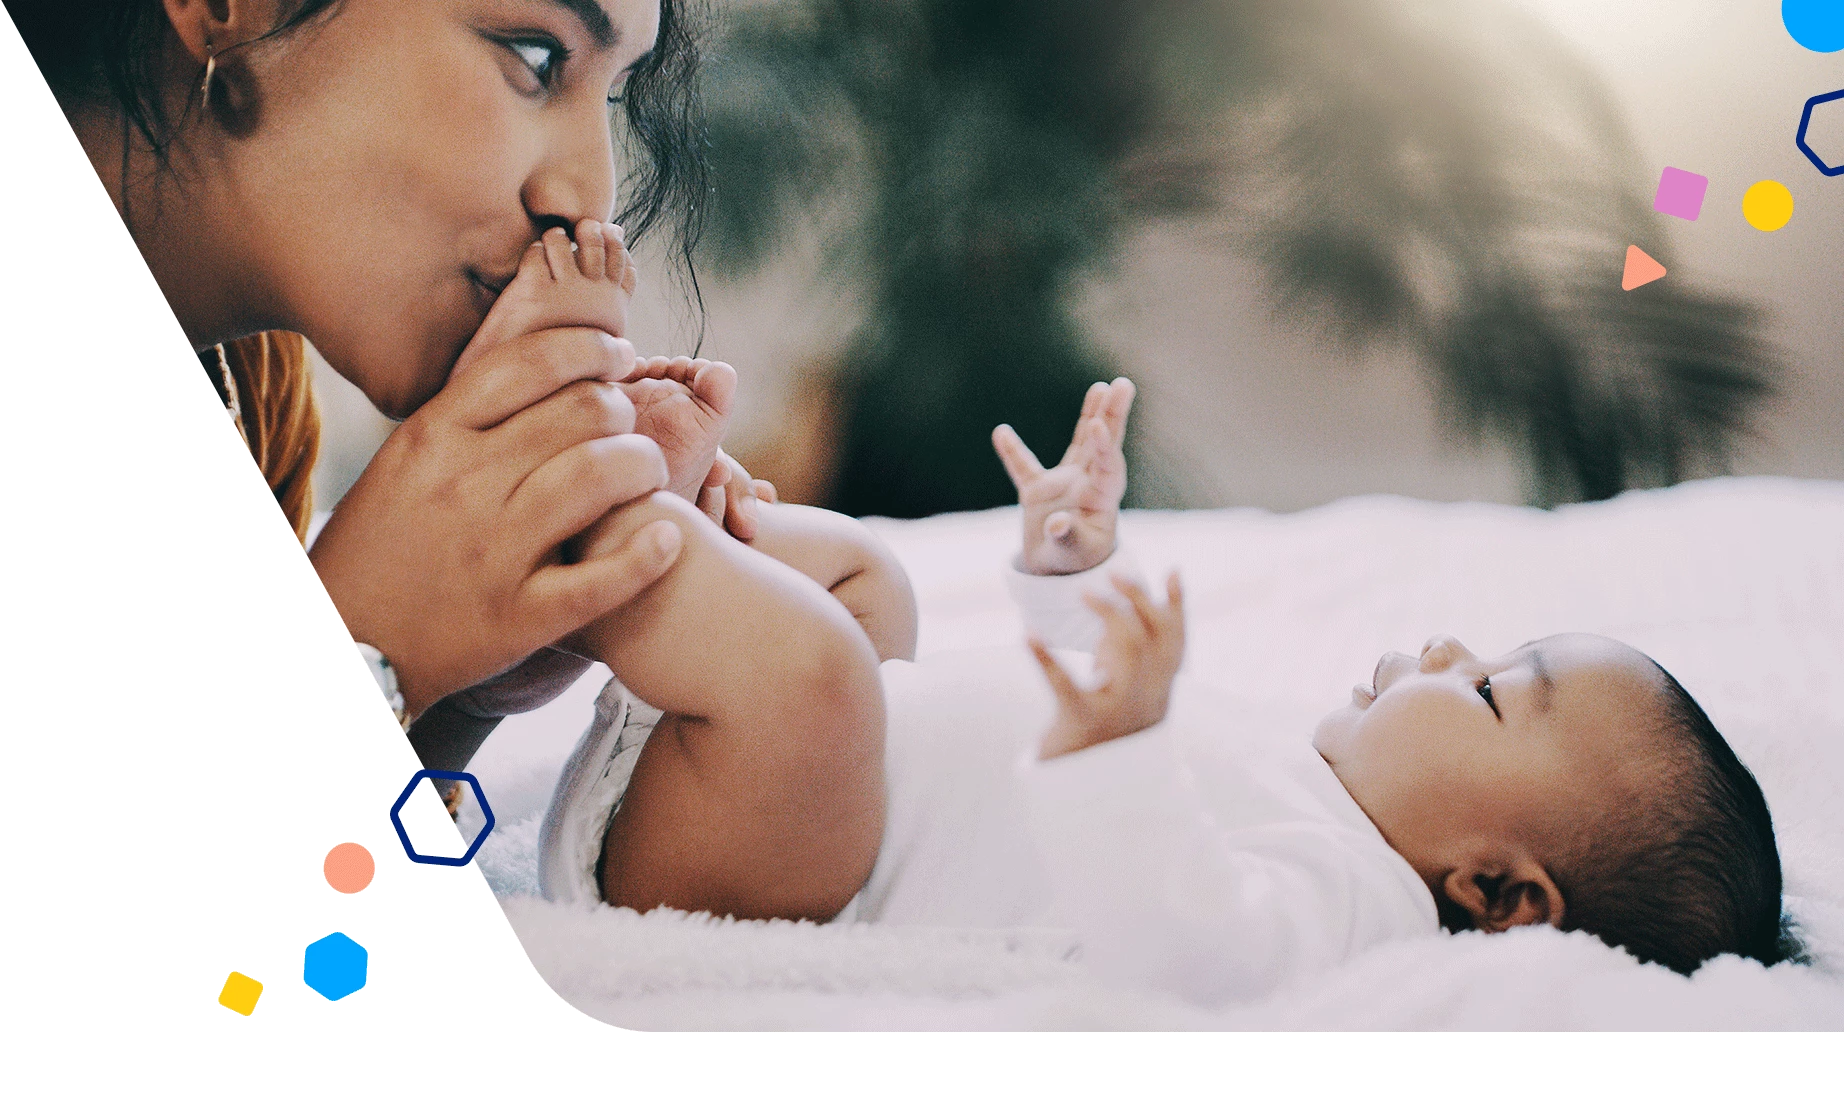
(1736, 586)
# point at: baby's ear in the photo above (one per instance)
(1498, 895)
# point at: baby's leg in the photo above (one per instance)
(560, 285)
(761, 792)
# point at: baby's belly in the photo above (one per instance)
(957, 851)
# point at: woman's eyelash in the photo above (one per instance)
(1484, 687)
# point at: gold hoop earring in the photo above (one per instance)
(211, 71)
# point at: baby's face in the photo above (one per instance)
(1450, 754)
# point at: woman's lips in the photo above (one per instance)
(486, 288)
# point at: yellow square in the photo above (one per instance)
(240, 993)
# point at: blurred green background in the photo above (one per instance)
(1343, 246)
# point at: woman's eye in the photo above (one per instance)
(1485, 692)
(541, 58)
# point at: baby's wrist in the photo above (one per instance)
(1048, 558)
(1065, 736)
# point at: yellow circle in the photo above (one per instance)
(1767, 205)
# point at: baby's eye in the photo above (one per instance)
(1484, 687)
(541, 58)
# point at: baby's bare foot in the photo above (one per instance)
(683, 405)
(560, 285)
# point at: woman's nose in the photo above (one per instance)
(1441, 653)
(576, 179)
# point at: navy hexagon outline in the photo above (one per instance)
(404, 835)
(1805, 122)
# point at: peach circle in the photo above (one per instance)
(349, 867)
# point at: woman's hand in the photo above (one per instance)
(445, 555)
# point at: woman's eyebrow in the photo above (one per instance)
(594, 20)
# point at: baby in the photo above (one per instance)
(1570, 782)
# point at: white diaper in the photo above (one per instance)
(588, 794)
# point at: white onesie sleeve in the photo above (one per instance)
(1165, 898)
(1052, 604)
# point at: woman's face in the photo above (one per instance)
(404, 153)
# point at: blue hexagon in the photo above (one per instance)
(335, 966)
(1805, 123)
(403, 835)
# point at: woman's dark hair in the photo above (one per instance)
(109, 51)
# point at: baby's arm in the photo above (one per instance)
(760, 793)
(1162, 895)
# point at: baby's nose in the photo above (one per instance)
(1440, 652)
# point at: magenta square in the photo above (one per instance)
(1680, 193)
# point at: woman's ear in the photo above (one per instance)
(207, 27)
(1499, 896)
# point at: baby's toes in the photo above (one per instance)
(619, 265)
(591, 252)
(715, 385)
(559, 253)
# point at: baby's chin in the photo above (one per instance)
(1332, 736)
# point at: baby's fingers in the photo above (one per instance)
(1117, 403)
(1121, 629)
(1143, 606)
(1172, 616)
(1058, 525)
(1020, 462)
(1067, 693)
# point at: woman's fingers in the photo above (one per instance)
(1020, 462)
(570, 492)
(564, 597)
(518, 375)
(577, 414)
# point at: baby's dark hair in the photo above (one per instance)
(1689, 871)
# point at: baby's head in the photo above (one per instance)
(1570, 782)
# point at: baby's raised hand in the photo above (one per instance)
(1071, 510)
(1142, 646)
(683, 405)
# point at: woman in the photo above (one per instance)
(368, 174)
